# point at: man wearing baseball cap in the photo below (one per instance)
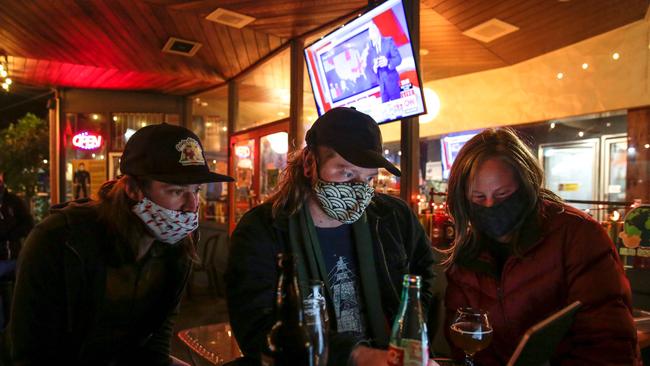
(358, 242)
(99, 281)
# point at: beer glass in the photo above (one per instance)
(317, 321)
(471, 331)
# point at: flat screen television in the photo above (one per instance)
(368, 64)
(450, 146)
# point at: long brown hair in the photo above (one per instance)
(294, 186)
(114, 207)
(503, 144)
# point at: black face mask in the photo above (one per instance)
(502, 218)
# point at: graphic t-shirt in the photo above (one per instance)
(337, 247)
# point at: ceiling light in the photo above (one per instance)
(585, 66)
(581, 133)
(224, 129)
(647, 146)
(95, 117)
(8, 81)
(631, 150)
(553, 125)
(560, 75)
(386, 152)
(616, 56)
(3, 73)
(115, 118)
(433, 105)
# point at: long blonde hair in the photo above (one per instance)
(114, 207)
(503, 144)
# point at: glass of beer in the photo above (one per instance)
(471, 331)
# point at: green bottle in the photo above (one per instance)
(409, 341)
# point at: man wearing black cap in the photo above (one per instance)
(99, 282)
(358, 242)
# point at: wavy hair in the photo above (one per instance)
(505, 145)
(294, 186)
(114, 207)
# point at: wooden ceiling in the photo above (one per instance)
(116, 44)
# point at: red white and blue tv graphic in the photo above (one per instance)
(368, 64)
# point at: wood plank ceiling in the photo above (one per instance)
(116, 44)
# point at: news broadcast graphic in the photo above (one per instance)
(450, 146)
(368, 64)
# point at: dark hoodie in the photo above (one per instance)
(81, 299)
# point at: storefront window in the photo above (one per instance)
(264, 95)
(85, 153)
(210, 123)
(387, 182)
(125, 124)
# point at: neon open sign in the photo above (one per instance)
(87, 141)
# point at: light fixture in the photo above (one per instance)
(585, 66)
(631, 150)
(115, 118)
(552, 125)
(581, 133)
(386, 152)
(4, 73)
(224, 129)
(560, 75)
(95, 117)
(433, 104)
(44, 161)
(616, 56)
(279, 142)
(647, 146)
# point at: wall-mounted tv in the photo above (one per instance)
(368, 64)
(450, 146)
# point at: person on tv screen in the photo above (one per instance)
(359, 242)
(521, 254)
(381, 58)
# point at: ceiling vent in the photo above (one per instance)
(230, 18)
(181, 46)
(490, 30)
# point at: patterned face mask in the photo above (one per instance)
(344, 202)
(167, 226)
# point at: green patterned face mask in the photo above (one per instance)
(344, 202)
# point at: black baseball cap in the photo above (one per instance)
(167, 153)
(353, 135)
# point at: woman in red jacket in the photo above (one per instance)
(521, 254)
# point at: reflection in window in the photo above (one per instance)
(264, 94)
(125, 125)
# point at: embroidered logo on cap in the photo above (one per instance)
(191, 153)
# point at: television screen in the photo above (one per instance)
(368, 64)
(451, 145)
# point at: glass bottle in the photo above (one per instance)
(288, 341)
(409, 341)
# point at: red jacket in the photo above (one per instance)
(567, 256)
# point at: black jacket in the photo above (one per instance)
(61, 282)
(399, 246)
(15, 221)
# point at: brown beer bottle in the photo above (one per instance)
(288, 341)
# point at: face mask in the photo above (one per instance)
(502, 218)
(344, 202)
(167, 226)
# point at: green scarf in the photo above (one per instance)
(311, 265)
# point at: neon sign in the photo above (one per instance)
(87, 141)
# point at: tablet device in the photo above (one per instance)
(539, 342)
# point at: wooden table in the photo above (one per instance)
(213, 343)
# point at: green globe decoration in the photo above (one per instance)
(636, 228)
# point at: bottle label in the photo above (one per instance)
(410, 354)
